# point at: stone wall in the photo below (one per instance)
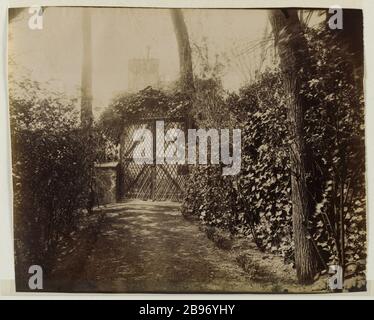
(106, 182)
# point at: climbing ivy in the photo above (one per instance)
(146, 103)
(257, 202)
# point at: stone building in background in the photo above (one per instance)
(143, 72)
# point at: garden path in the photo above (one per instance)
(146, 246)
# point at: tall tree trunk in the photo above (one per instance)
(184, 49)
(86, 102)
(86, 80)
(293, 52)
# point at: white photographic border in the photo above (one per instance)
(7, 286)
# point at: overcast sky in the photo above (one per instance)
(119, 34)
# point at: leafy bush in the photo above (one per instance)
(210, 196)
(264, 182)
(146, 103)
(52, 166)
(257, 202)
(335, 134)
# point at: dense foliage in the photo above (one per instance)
(147, 103)
(52, 167)
(257, 202)
(53, 158)
(335, 134)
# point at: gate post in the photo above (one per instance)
(154, 172)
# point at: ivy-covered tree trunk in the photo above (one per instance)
(293, 53)
(184, 49)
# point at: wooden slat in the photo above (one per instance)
(161, 182)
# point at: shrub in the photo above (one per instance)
(52, 165)
(257, 202)
(146, 103)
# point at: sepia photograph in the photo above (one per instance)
(187, 150)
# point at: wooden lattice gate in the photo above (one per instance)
(150, 181)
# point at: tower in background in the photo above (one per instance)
(143, 73)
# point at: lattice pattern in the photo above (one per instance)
(150, 181)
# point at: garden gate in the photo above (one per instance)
(150, 181)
